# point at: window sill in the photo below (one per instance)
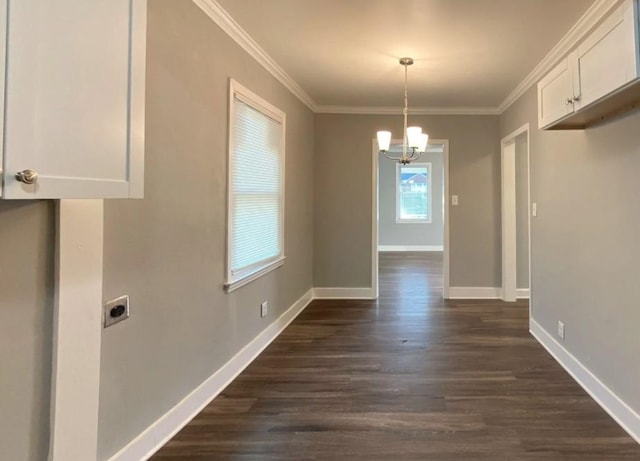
(413, 221)
(233, 286)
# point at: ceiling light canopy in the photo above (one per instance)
(414, 141)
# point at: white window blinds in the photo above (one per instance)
(256, 183)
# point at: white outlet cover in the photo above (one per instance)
(264, 308)
(561, 330)
(122, 304)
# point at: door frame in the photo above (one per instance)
(375, 217)
(509, 291)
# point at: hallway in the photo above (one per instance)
(409, 377)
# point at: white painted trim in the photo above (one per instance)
(375, 247)
(515, 133)
(343, 293)
(445, 210)
(589, 19)
(247, 274)
(508, 220)
(428, 219)
(161, 431)
(397, 110)
(410, 247)
(483, 293)
(620, 411)
(224, 20)
(3, 62)
(511, 137)
(137, 85)
(375, 220)
(475, 293)
(77, 331)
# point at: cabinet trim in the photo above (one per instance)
(3, 62)
(137, 79)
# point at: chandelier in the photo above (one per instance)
(414, 141)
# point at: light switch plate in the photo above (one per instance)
(454, 200)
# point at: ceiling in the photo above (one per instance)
(468, 53)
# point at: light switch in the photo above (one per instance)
(534, 209)
(454, 200)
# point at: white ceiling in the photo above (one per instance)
(469, 53)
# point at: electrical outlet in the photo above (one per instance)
(264, 309)
(115, 311)
(560, 329)
(534, 209)
(454, 200)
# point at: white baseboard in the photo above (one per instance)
(474, 293)
(161, 431)
(483, 293)
(343, 293)
(410, 248)
(622, 413)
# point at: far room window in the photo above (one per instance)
(413, 193)
(255, 218)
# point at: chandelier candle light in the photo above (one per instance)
(414, 141)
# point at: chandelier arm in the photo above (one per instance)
(384, 152)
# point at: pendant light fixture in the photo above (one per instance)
(414, 141)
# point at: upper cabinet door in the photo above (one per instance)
(607, 59)
(74, 98)
(555, 93)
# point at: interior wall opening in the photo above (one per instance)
(411, 217)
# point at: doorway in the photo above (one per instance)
(516, 215)
(402, 222)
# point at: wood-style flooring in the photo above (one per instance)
(409, 377)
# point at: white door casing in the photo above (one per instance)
(509, 262)
(375, 215)
(509, 208)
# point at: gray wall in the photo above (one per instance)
(343, 207)
(522, 213)
(167, 251)
(27, 230)
(410, 234)
(585, 248)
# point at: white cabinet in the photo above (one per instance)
(607, 59)
(606, 62)
(74, 98)
(555, 93)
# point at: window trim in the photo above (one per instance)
(429, 218)
(233, 281)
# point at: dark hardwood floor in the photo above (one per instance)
(409, 377)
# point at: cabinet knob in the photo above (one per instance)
(568, 101)
(27, 176)
(576, 98)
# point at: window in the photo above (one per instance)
(413, 193)
(255, 216)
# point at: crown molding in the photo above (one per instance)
(213, 9)
(386, 110)
(589, 19)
